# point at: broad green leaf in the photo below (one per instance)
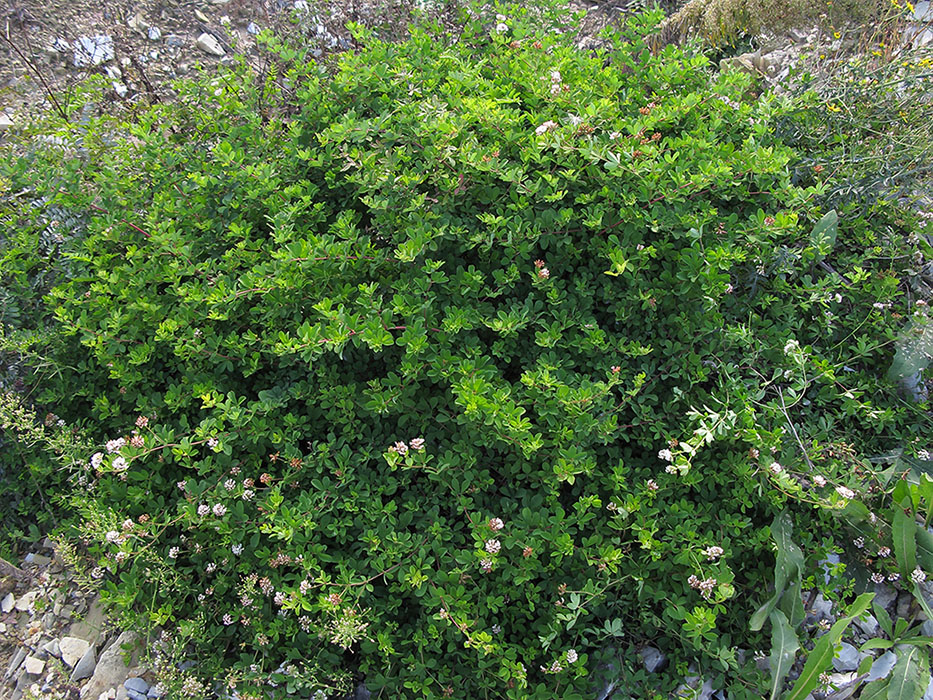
(903, 532)
(876, 690)
(788, 563)
(821, 657)
(920, 598)
(784, 646)
(823, 237)
(910, 675)
(883, 618)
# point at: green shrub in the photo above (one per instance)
(452, 372)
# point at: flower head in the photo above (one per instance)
(665, 455)
(219, 509)
(572, 656)
(917, 575)
(496, 524)
(713, 552)
(845, 492)
(493, 546)
(417, 443)
(96, 459)
(119, 464)
(819, 480)
(546, 127)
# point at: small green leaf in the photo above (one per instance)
(823, 237)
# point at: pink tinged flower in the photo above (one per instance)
(399, 447)
(776, 468)
(486, 565)
(113, 536)
(203, 509)
(544, 273)
(893, 577)
(219, 509)
(917, 575)
(213, 442)
(493, 546)
(137, 441)
(230, 484)
(729, 289)
(182, 485)
(670, 469)
(859, 542)
(237, 549)
(615, 369)
(496, 524)
(572, 656)
(884, 552)
(819, 480)
(845, 492)
(417, 444)
(546, 127)
(279, 598)
(114, 445)
(712, 553)
(142, 422)
(119, 464)
(173, 553)
(96, 459)
(211, 567)
(228, 619)
(248, 495)
(652, 485)
(127, 524)
(877, 578)
(665, 455)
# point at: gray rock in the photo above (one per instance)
(154, 34)
(85, 666)
(653, 659)
(362, 692)
(156, 691)
(52, 649)
(869, 626)
(138, 24)
(6, 605)
(927, 628)
(6, 122)
(831, 559)
(846, 658)
(93, 50)
(208, 44)
(137, 685)
(73, 649)
(34, 666)
(174, 41)
(15, 662)
(845, 685)
(904, 601)
(821, 609)
(111, 670)
(882, 666)
(253, 28)
(923, 12)
(885, 595)
(301, 6)
(24, 603)
(37, 559)
(134, 695)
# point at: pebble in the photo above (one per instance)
(869, 626)
(154, 34)
(120, 89)
(253, 28)
(37, 559)
(137, 685)
(208, 44)
(93, 50)
(301, 6)
(15, 661)
(6, 605)
(201, 16)
(173, 41)
(52, 649)
(24, 603)
(34, 666)
(138, 23)
(73, 649)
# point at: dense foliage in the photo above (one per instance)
(466, 365)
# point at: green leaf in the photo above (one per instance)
(784, 646)
(911, 674)
(823, 237)
(821, 657)
(903, 532)
(788, 563)
(876, 690)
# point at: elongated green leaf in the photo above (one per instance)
(925, 548)
(784, 646)
(910, 675)
(821, 657)
(883, 619)
(788, 564)
(904, 534)
(919, 597)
